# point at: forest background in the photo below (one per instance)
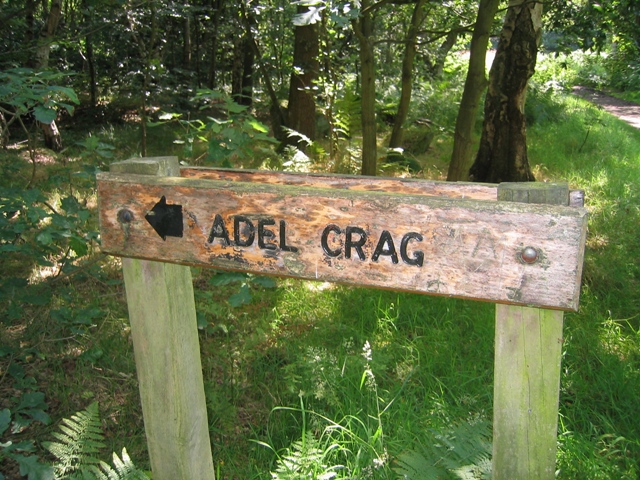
(303, 378)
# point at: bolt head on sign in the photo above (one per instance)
(529, 255)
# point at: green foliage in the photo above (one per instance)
(306, 459)
(32, 229)
(25, 92)
(232, 135)
(461, 452)
(28, 408)
(79, 442)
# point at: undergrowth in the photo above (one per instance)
(311, 378)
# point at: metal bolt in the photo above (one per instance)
(529, 255)
(125, 216)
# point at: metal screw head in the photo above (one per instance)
(529, 255)
(125, 216)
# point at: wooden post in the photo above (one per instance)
(528, 349)
(167, 353)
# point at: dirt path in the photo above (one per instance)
(624, 110)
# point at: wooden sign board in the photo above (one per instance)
(495, 251)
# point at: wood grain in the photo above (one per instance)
(528, 343)
(469, 248)
(164, 332)
(408, 186)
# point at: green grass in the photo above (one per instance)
(354, 379)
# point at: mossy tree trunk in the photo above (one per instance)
(474, 85)
(363, 28)
(502, 156)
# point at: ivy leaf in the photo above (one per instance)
(258, 126)
(33, 468)
(243, 297)
(266, 282)
(68, 92)
(5, 420)
(226, 278)
(32, 400)
(45, 238)
(44, 114)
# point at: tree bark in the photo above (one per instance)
(407, 75)
(47, 33)
(186, 41)
(475, 83)
(277, 115)
(237, 68)
(248, 62)
(363, 28)
(217, 6)
(502, 156)
(91, 66)
(52, 138)
(437, 67)
(302, 106)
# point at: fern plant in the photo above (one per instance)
(79, 443)
(461, 453)
(305, 459)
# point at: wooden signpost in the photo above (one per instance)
(437, 238)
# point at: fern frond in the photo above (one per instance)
(125, 469)
(305, 459)
(81, 438)
(462, 452)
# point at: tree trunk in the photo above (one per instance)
(363, 28)
(248, 62)
(407, 75)
(474, 85)
(277, 114)
(302, 105)
(217, 6)
(237, 68)
(52, 138)
(502, 156)
(450, 40)
(186, 41)
(93, 89)
(30, 30)
(47, 33)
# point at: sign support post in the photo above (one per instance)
(528, 350)
(167, 353)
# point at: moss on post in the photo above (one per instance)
(167, 353)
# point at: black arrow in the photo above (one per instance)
(166, 219)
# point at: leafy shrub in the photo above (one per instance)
(32, 229)
(26, 92)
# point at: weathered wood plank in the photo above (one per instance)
(463, 248)
(528, 343)
(167, 352)
(408, 186)
(528, 350)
